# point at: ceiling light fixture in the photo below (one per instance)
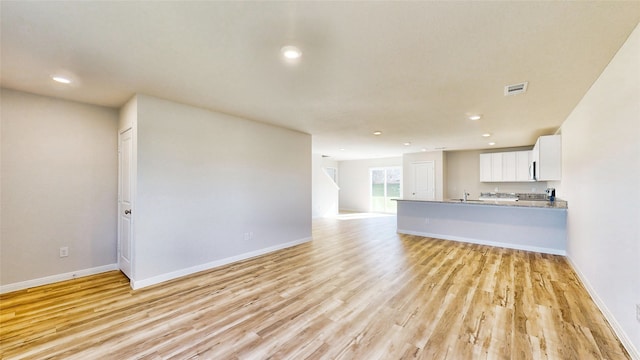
(61, 79)
(407, 144)
(376, 133)
(492, 143)
(341, 149)
(291, 52)
(475, 117)
(486, 135)
(424, 149)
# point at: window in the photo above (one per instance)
(333, 174)
(385, 186)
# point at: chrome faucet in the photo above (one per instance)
(465, 194)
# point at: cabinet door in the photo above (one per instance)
(523, 160)
(496, 167)
(549, 161)
(485, 167)
(509, 166)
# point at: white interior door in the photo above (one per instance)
(125, 203)
(424, 180)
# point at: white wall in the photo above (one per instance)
(463, 173)
(205, 179)
(438, 157)
(59, 188)
(354, 181)
(325, 192)
(601, 181)
(129, 115)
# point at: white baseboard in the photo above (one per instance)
(56, 278)
(138, 284)
(622, 335)
(485, 242)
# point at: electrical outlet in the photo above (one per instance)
(248, 236)
(638, 312)
(426, 220)
(64, 251)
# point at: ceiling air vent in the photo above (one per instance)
(515, 89)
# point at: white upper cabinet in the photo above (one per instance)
(547, 153)
(496, 167)
(509, 166)
(512, 166)
(485, 167)
(523, 161)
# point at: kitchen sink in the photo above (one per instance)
(499, 199)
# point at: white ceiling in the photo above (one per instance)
(413, 70)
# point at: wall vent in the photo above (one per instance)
(515, 88)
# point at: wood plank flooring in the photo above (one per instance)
(358, 291)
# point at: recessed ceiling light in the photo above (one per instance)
(492, 143)
(486, 135)
(475, 117)
(61, 79)
(376, 133)
(424, 149)
(341, 149)
(291, 52)
(407, 144)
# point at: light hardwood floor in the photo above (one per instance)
(358, 291)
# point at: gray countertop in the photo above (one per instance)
(558, 204)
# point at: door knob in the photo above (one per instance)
(127, 212)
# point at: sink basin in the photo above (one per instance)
(499, 199)
(468, 200)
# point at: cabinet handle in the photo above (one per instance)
(127, 212)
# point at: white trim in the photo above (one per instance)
(485, 242)
(56, 278)
(617, 329)
(138, 284)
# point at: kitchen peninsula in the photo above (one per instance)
(526, 225)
